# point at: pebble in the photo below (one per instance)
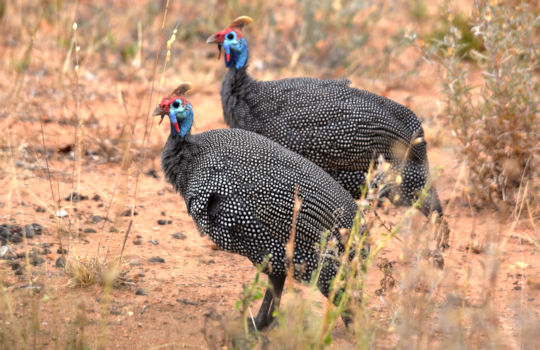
(179, 235)
(162, 222)
(187, 302)
(137, 242)
(152, 173)
(61, 213)
(156, 259)
(89, 230)
(40, 209)
(61, 251)
(127, 212)
(6, 252)
(96, 197)
(60, 262)
(76, 197)
(141, 291)
(154, 242)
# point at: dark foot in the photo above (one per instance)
(270, 302)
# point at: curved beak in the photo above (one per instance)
(212, 39)
(159, 112)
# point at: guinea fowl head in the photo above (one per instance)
(179, 110)
(233, 42)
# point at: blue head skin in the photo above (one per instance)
(181, 117)
(236, 50)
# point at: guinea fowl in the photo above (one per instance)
(340, 128)
(239, 188)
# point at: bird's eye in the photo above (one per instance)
(230, 36)
(176, 104)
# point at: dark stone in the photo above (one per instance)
(156, 259)
(45, 245)
(211, 261)
(163, 213)
(153, 173)
(517, 287)
(19, 271)
(141, 291)
(61, 251)
(46, 251)
(60, 262)
(15, 265)
(113, 229)
(141, 275)
(15, 239)
(96, 197)
(76, 197)
(169, 222)
(89, 230)
(137, 242)
(31, 230)
(127, 212)
(40, 209)
(95, 219)
(179, 235)
(154, 242)
(187, 302)
(162, 222)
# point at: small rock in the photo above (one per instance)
(15, 265)
(187, 302)
(96, 197)
(169, 222)
(6, 252)
(211, 261)
(15, 239)
(154, 242)
(40, 209)
(61, 251)
(179, 235)
(89, 230)
(60, 262)
(95, 219)
(127, 212)
(141, 291)
(46, 251)
(76, 197)
(45, 245)
(162, 222)
(137, 242)
(156, 259)
(113, 229)
(19, 271)
(163, 213)
(61, 213)
(152, 173)
(31, 230)
(517, 287)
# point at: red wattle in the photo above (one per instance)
(176, 127)
(228, 57)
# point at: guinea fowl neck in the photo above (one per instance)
(235, 89)
(176, 158)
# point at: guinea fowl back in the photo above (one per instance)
(342, 129)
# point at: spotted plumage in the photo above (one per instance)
(239, 188)
(339, 128)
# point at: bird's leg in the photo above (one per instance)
(271, 300)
